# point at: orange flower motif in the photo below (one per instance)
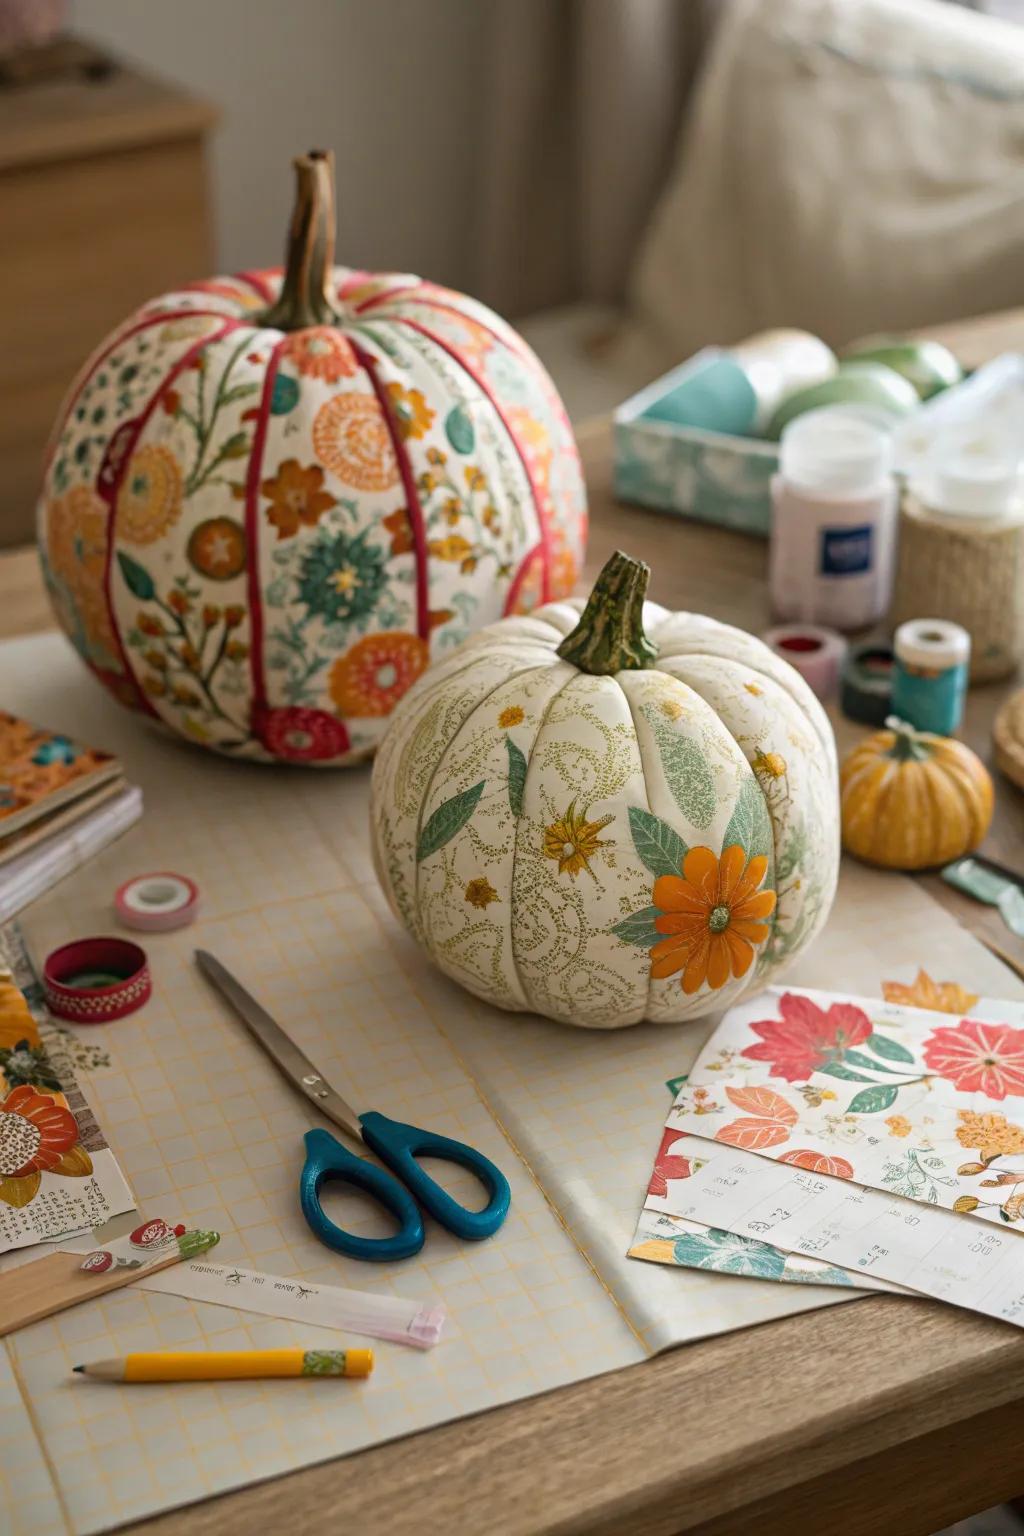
(513, 715)
(398, 525)
(36, 1131)
(321, 353)
(149, 501)
(939, 996)
(216, 547)
(296, 497)
(370, 678)
(412, 414)
(712, 916)
(351, 438)
(452, 547)
(480, 893)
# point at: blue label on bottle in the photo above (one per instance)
(846, 551)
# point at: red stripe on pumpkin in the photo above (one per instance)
(126, 437)
(417, 522)
(537, 552)
(257, 281)
(252, 545)
(488, 394)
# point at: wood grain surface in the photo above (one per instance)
(885, 1417)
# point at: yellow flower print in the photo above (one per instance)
(573, 841)
(898, 1125)
(769, 763)
(511, 716)
(940, 996)
(149, 501)
(989, 1135)
(475, 478)
(345, 580)
(452, 547)
(480, 893)
(754, 689)
(672, 709)
(436, 456)
(412, 414)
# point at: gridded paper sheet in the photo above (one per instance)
(205, 1129)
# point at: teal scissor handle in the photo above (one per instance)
(398, 1146)
(328, 1161)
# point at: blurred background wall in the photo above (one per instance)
(395, 89)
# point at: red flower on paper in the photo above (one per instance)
(818, 1162)
(807, 1037)
(301, 735)
(668, 1165)
(978, 1058)
(771, 1118)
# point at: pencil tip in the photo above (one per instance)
(78, 1367)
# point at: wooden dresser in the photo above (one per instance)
(103, 204)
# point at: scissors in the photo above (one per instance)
(397, 1145)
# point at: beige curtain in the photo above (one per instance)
(582, 105)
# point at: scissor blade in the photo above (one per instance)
(281, 1048)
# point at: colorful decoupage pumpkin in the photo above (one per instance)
(611, 816)
(270, 501)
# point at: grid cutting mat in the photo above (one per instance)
(207, 1131)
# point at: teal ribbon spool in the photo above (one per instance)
(929, 678)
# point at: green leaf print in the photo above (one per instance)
(750, 825)
(690, 780)
(450, 817)
(459, 429)
(138, 580)
(871, 1101)
(837, 1069)
(890, 1049)
(658, 846)
(516, 776)
(639, 928)
(858, 1059)
(729, 1253)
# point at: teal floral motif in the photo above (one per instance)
(342, 577)
(916, 1175)
(27, 1064)
(284, 396)
(729, 1253)
(58, 749)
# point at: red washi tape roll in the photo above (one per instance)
(157, 903)
(92, 981)
(816, 653)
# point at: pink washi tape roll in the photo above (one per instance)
(817, 654)
(157, 903)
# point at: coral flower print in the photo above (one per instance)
(978, 1058)
(296, 497)
(371, 677)
(807, 1037)
(321, 353)
(36, 1132)
(713, 916)
(351, 438)
(301, 735)
(573, 841)
(669, 1165)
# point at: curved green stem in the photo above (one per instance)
(908, 745)
(610, 635)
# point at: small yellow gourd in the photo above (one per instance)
(16, 1022)
(911, 800)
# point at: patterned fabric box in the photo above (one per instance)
(710, 475)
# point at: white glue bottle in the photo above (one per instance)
(834, 503)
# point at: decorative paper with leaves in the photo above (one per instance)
(923, 1104)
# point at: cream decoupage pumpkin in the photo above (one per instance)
(622, 815)
(269, 502)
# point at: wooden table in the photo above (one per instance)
(872, 1419)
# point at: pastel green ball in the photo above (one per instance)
(856, 383)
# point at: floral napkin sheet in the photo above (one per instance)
(912, 1095)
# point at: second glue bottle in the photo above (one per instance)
(834, 504)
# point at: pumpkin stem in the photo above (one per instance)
(610, 635)
(908, 745)
(305, 297)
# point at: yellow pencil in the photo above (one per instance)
(230, 1364)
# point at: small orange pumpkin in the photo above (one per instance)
(911, 800)
(16, 1023)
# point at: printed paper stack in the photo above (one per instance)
(852, 1142)
(60, 803)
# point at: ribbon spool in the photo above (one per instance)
(92, 981)
(865, 693)
(930, 676)
(157, 903)
(816, 653)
